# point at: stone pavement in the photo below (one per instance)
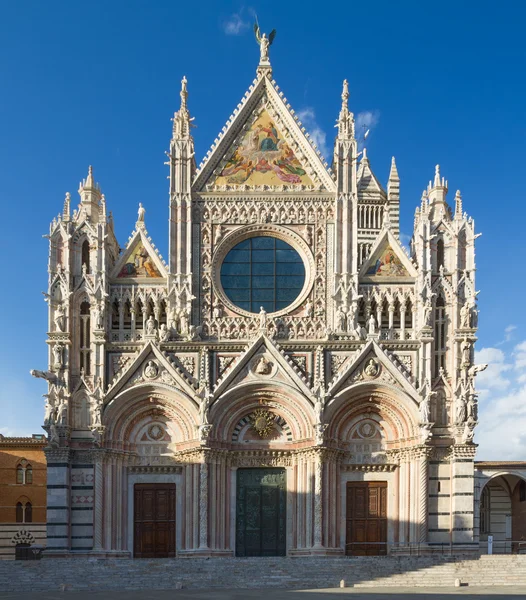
(463, 593)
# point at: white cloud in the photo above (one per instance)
(308, 118)
(508, 334)
(235, 24)
(501, 433)
(494, 377)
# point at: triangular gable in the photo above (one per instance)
(263, 146)
(140, 259)
(279, 368)
(387, 260)
(366, 179)
(136, 373)
(362, 370)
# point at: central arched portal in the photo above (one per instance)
(261, 512)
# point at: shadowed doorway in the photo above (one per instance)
(261, 512)
(366, 526)
(154, 520)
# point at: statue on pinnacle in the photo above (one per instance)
(264, 43)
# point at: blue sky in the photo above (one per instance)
(97, 84)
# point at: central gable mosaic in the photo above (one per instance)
(387, 264)
(139, 263)
(263, 158)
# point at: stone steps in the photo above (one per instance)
(308, 572)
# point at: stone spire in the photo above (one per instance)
(393, 198)
(437, 192)
(458, 205)
(182, 169)
(66, 213)
(345, 121)
(89, 192)
(182, 120)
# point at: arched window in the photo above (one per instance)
(24, 473)
(385, 315)
(522, 491)
(127, 317)
(139, 316)
(397, 314)
(440, 254)
(85, 255)
(85, 341)
(409, 315)
(24, 512)
(115, 324)
(440, 335)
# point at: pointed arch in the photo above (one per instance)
(85, 255)
(440, 256)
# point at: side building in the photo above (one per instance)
(290, 381)
(22, 492)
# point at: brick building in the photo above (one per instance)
(22, 492)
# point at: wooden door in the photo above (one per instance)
(366, 518)
(154, 520)
(261, 512)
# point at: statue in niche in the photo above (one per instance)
(465, 351)
(372, 325)
(263, 320)
(57, 356)
(164, 333)
(150, 325)
(263, 366)
(351, 318)
(204, 408)
(428, 310)
(465, 316)
(184, 321)
(308, 309)
(96, 414)
(99, 317)
(48, 413)
(60, 318)
(340, 319)
(62, 414)
(217, 312)
(461, 409)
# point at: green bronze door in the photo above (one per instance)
(261, 512)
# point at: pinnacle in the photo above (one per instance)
(184, 93)
(345, 94)
(393, 174)
(89, 179)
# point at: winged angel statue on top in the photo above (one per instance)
(264, 42)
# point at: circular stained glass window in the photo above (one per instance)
(262, 272)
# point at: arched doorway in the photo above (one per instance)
(502, 514)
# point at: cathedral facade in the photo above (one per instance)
(290, 381)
